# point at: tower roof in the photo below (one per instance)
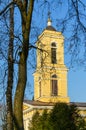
(49, 25)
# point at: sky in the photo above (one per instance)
(76, 76)
(77, 85)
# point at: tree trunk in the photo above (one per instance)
(18, 101)
(9, 117)
(26, 16)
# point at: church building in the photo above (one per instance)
(50, 76)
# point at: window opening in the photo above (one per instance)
(53, 53)
(39, 86)
(54, 87)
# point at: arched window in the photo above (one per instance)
(54, 85)
(53, 53)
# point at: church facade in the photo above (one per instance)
(50, 76)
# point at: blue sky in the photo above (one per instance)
(76, 76)
(77, 85)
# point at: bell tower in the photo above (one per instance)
(50, 77)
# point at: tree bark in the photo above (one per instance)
(9, 117)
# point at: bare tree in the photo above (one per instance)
(71, 23)
(74, 28)
(25, 8)
(10, 73)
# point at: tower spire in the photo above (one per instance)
(49, 22)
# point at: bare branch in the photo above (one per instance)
(3, 11)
